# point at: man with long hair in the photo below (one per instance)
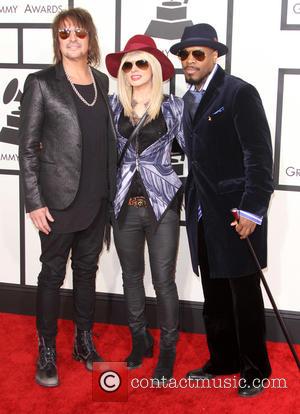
(67, 162)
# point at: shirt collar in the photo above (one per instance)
(192, 88)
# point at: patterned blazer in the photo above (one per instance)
(160, 180)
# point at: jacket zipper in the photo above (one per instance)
(137, 160)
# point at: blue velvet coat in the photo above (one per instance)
(230, 165)
(160, 180)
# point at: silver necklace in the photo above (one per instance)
(78, 93)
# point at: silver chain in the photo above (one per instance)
(78, 93)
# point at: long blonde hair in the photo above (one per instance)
(125, 90)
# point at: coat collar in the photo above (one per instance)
(103, 91)
(211, 92)
(100, 85)
(59, 71)
(66, 91)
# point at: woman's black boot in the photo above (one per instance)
(142, 347)
(164, 368)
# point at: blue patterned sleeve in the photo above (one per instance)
(177, 106)
(113, 102)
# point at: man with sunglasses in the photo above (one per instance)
(230, 166)
(67, 162)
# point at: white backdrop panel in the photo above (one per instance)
(293, 12)
(38, 46)
(9, 229)
(8, 46)
(283, 270)
(290, 134)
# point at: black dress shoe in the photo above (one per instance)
(250, 388)
(164, 368)
(46, 371)
(199, 374)
(142, 347)
(209, 371)
(84, 349)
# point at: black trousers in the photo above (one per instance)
(234, 321)
(162, 247)
(86, 246)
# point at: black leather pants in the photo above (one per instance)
(86, 246)
(162, 247)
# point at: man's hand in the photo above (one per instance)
(244, 227)
(39, 218)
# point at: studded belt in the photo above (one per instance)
(137, 202)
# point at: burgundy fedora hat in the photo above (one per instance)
(140, 43)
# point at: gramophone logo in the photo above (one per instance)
(171, 19)
(9, 132)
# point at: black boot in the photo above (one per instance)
(46, 371)
(84, 349)
(142, 347)
(164, 368)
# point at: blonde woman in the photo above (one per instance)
(148, 196)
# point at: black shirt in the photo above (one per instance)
(93, 187)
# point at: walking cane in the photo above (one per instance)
(236, 215)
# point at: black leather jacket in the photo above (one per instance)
(50, 140)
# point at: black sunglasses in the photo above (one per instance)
(65, 33)
(141, 64)
(197, 54)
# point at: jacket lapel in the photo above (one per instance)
(187, 124)
(102, 88)
(65, 88)
(210, 94)
(66, 91)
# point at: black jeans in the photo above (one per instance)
(162, 247)
(234, 321)
(86, 246)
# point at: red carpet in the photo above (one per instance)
(20, 394)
